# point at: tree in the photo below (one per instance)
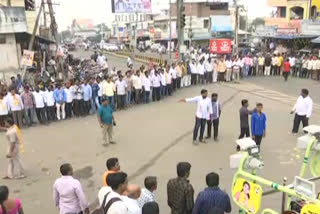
(255, 23)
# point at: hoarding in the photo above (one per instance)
(220, 46)
(131, 6)
(221, 23)
(12, 20)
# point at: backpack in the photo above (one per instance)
(104, 209)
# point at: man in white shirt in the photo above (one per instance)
(302, 110)
(193, 70)
(40, 105)
(118, 183)
(146, 84)
(274, 63)
(101, 60)
(156, 86)
(163, 82)
(168, 82)
(292, 61)
(133, 192)
(121, 86)
(209, 70)
(108, 89)
(137, 86)
(147, 193)
(229, 69)
(203, 110)
(49, 101)
(201, 71)
(69, 100)
(310, 67)
(15, 106)
(173, 73)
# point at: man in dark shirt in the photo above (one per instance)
(212, 197)
(180, 191)
(267, 64)
(244, 119)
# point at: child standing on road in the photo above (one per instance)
(258, 124)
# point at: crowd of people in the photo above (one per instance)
(19, 103)
(116, 196)
(82, 96)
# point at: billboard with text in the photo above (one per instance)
(12, 20)
(131, 6)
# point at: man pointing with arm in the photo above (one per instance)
(204, 108)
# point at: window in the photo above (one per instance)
(283, 12)
(206, 23)
(122, 19)
(141, 17)
(126, 18)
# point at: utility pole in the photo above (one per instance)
(236, 41)
(53, 25)
(8, 3)
(190, 35)
(180, 27)
(170, 29)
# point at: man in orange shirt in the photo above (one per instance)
(113, 167)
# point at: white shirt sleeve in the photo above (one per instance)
(310, 106)
(192, 100)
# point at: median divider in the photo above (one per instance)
(137, 57)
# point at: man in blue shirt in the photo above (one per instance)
(258, 124)
(106, 121)
(212, 197)
(87, 95)
(60, 98)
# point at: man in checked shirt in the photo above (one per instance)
(180, 191)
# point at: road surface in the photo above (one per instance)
(152, 139)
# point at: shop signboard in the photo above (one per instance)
(131, 6)
(310, 27)
(12, 20)
(221, 23)
(220, 46)
(287, 31)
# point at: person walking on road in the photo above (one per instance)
(203, 110)
(106, 121)
(258, 124)
(68, 193)
(13, 153)
(302, 110)
(180, 192)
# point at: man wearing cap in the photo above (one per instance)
(106, 121)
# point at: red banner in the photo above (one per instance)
(220, 46)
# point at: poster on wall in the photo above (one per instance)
(221, 23)
(131, 6)
(27, 58)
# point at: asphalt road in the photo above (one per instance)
(152, 139)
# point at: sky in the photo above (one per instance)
(100, 10)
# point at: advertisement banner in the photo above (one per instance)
(221, 23)
(247, 195)
(12, 20)
(27, 58)
(131, 6)
(220, 46)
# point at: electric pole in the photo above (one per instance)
(181, 24)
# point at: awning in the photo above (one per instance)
(289, 37)
(316, 40)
